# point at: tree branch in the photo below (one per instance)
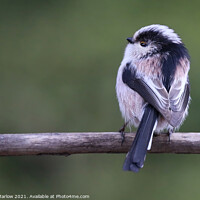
(91, 142)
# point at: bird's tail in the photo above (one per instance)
(136, 156)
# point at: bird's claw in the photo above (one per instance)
(169, 134)
(123, 133)
(122, 136)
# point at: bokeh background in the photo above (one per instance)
(58, 65)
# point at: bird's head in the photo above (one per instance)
(152, 40)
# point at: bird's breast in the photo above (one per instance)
(131, 104)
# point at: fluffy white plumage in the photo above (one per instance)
(152, 87)
(130, 102)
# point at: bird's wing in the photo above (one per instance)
(152, 91)
(179, 96)
(170, 105)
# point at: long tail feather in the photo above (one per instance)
(136, 156)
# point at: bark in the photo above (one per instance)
(91, 142)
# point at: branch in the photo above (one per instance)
(92, 142)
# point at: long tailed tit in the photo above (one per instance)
(152, 87)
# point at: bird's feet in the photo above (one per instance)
(121, 130)
(123, 137)
(169, 133)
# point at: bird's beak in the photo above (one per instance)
(130, 40)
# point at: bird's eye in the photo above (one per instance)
(143, 43)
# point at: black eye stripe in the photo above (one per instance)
(153, 35)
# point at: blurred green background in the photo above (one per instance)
(58, 65)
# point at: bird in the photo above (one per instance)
(152, 88)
